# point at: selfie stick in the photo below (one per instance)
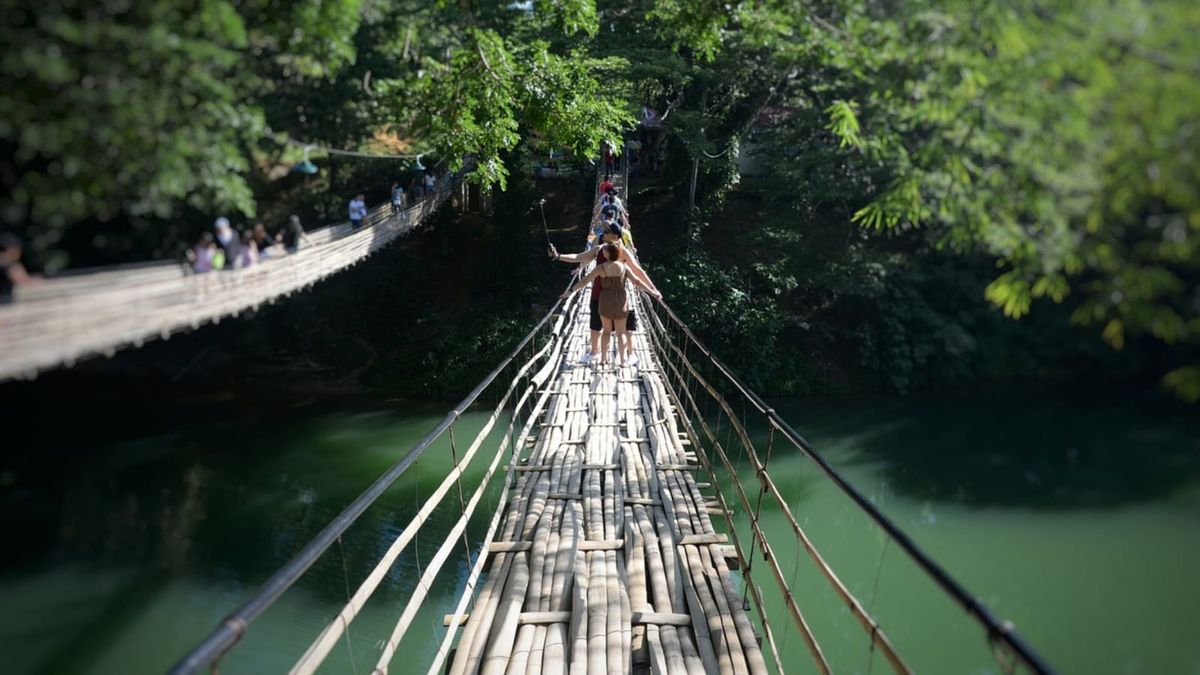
(545, 228)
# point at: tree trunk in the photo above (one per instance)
(696, 155)
(692, 190)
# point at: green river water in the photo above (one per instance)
(133, 528)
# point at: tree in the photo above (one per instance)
(1056, 137)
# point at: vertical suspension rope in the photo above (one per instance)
(462, 503)
(871, 602)
(417, 543)
(762, 490)
(346, 580)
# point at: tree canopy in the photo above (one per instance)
(1058, 138)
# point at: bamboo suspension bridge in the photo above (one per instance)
(76, 316)
(597, 521)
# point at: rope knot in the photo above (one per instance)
(237, 624)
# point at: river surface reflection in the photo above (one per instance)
(133, 531)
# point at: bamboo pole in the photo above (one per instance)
(691, 653)
(504, 630)
(580, 628)
(730, 636)
(754, 657)
(519, 662)
(597, 613)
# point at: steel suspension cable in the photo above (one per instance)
(996, 630)
(868, 622)
(225, 635)
(319, 649)
(789, 598)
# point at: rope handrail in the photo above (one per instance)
(230, 630)
(870, 625)
(327, 639)
(443, 651)
(996, 630)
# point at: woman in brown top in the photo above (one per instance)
(614, 301)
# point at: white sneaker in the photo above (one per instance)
(633, 360)
(586, 358)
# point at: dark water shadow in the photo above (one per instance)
(226, 500)
(1014, 448)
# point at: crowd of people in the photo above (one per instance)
(225, 248)
(610, 246)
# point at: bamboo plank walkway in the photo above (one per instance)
(607, 560)
(603, 556)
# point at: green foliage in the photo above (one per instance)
(134, 113)
(1185, 382)
(693, 25)
(493, 92)
(571, 16)
(843, 122)
(1053, 137)
(127, 117)
(740, 326)
(1055, 140)
(1020, 131)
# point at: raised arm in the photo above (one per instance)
(636, 271)
(583, 282)
(586, 256)
(644, 286)
(19, 277)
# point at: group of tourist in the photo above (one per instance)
(641, 154)
(616, 263)
(225, 248)
(421, 187)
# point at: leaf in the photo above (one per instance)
(843, 122)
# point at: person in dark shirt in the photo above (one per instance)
(229, 241)
(293, 234)
(263, 241)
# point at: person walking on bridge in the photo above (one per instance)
(611, 213)
(12, 272)
(612, 301)
(613, 235)
(293, 235)
(430, 182)
(397, 198)
(610, 160)
(358, 211)
(611, 199)
(229, 241)
(263, 241)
